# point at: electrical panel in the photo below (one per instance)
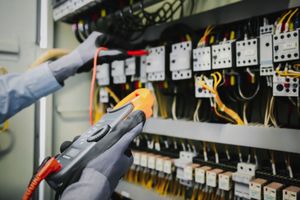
(201, 92)
(286, 46)
(130, 66)
(180, 61)
(202, 59)
(266, 50)
(241, 75)
(102, 74)
(156, 64)
(285, 86)
(118, 72)
(222, 56)
(247, 52)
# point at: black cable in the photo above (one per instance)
(76, 32)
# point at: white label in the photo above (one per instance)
(211, 179)
(200, 175)
(188, 173)
(168, 166)
(151, 162)
(136, 158)
(289, 45)
(144, 160)
(159, 164)
(249, 52)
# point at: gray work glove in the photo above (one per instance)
(109, 166)
(114, 162)
(81, 59)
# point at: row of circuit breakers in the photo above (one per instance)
(266, 52)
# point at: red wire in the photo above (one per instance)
(92, 90)
(52, 165)
(138, 53)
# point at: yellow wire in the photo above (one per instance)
(283, 17)
(112, 94)
(50, 54)
(287, 73)
(217, 76)
(291, 16)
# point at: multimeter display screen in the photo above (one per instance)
(72, 152)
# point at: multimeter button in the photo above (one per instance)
(99, 134)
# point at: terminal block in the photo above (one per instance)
(266, 50)
(202, 59)
(200, 174)
(247, 53)
(256, 188)
(222, 57)
(189, 171)
(103, 96)
(285, 86)
(286, 46)
(273, 191)
(130, 66)
(156, 64)
(102, 74)
(212, 177)
(118, 72)
(180, 61)
(291, 193)
(225, 181)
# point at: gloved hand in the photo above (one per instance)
(112, 164)
(81, 59)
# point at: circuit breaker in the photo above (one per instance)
(102, 74)
(242, 177)
(285, 86)
(155, 64)
(180, 60)
(222, 57)
(201, 92)
(130, 66)
(118, 72)
(247, 53)
(266, 50)
(143, 66)
(286, 46)
(202, 59)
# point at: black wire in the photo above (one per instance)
(192, 6)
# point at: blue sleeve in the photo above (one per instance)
(92, 185)
(18, 91)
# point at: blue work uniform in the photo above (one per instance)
(19, 90)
